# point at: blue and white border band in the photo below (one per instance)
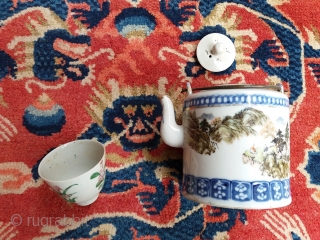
(241, 191)
(236, 99)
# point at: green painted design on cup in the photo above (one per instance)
(64, 193)
(101, 176)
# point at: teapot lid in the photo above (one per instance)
(216, 52)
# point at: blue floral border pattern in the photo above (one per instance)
(236, 99)
(241, 191)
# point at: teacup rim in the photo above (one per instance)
(62, 145)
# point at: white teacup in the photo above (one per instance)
(75, 170)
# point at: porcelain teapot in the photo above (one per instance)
(236, 145)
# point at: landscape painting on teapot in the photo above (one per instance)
(204, 133)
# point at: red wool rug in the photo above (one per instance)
(96, 69)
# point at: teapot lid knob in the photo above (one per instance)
(216, 52)
(218, 48)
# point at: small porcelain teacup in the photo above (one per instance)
(75, 170)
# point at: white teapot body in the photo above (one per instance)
(236, 146)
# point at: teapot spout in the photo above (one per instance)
(171, 132)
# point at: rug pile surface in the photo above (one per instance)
(97, 69)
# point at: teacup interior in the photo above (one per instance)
(71, 160)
